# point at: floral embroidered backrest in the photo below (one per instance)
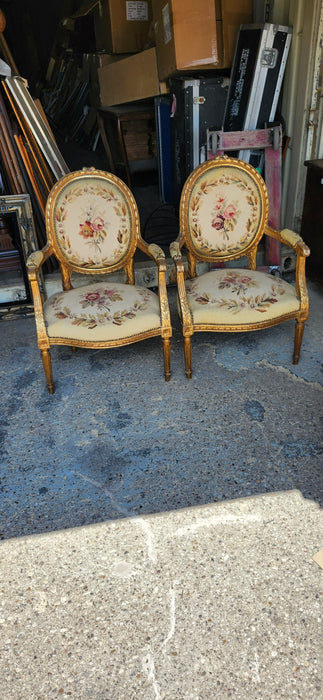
(224, 208)
(92, 220)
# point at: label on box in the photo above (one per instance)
(137, 10)
(167, 24)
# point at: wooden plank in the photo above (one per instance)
(12, 162)
(233, 140)
(26, 160)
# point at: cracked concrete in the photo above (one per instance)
(158, 538)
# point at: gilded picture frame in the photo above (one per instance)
(32, 120)
(18, 293)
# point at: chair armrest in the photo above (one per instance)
(289, 238)
(293, 240)
(156, 253)
(36, 260)
(176, 255)
(160, 259)
(175, 251)
(152, 251)
(34, 263)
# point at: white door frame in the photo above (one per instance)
(301, 104)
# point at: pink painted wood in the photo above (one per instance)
(218, 142)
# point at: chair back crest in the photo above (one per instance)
(92, 220)
(224, 208)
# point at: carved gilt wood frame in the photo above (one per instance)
(20, 206)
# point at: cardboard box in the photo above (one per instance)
(105, 59)
(234, 13)
(131, 79)
(122, 26)
(197, 36)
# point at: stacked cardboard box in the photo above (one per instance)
(130, 79)
(122, 26)
(191, 38)
(197, 36)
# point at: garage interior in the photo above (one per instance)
(107, 85)
(158, 540)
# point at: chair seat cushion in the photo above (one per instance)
(102, 312)
(238, 296)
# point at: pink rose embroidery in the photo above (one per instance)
(92, 297)
(224, 217)
(230, 211)
(245, 280)
(93, 232)
(97, 223)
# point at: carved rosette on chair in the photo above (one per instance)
(92, 226)
(223, 215)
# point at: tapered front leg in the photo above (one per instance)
(45, 356)
(299, 330)
(188, 356)
(166, 350)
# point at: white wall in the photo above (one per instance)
(301, 92)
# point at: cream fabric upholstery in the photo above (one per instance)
(238, 296)
(102, 312)
(93, 226)
(92, 223)
(224, 211)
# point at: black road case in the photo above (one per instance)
(256, 77)
(198, 105)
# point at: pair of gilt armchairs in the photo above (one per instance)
(92, 225)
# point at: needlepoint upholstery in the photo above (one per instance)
(247, 296)
(92, 226)
(224, 211)
(102, 312)
(223, 216)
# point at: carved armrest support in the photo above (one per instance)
(175, 251)
(157, 254)
(34, 263)
(289, 238)
(36, 260)
(154, 251)
(294, 241)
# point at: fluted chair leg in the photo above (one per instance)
(299, 330)
(188, 356)
(45, 355)
(166, 350)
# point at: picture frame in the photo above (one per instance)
(34, 126)
(16, 294)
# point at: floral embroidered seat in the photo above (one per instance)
(223, 216)
(92, 226)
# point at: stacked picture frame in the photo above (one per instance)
(30, 163)
(24, 241)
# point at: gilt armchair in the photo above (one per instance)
(223, 216)
(92, 226)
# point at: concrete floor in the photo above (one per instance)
(158, 538)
